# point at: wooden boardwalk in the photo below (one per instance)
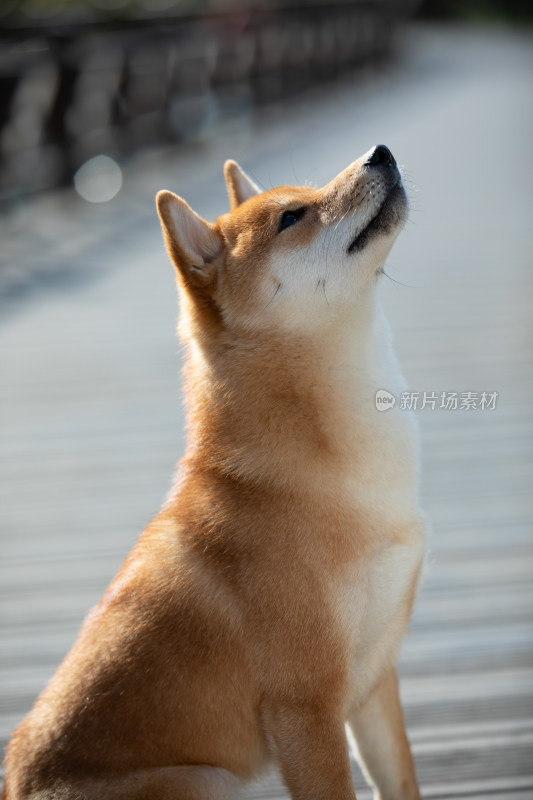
(91, 420)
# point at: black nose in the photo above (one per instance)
(381, 155)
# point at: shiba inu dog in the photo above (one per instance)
(262, 610)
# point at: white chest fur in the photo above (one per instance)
(373, 595)
(372, 602)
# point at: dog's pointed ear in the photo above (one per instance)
(240, 186)
(192, 243)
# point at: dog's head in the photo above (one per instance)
(289, 258)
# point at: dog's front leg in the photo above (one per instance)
(312, 751)
(383, 747)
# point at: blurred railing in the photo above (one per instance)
(71, 90)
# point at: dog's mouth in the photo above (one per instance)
(389, 215)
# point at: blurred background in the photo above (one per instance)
(102, 104)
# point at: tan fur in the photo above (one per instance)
(263, 608)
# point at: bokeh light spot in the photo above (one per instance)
(99, 179)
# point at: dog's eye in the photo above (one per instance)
(289, 218)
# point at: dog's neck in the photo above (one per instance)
(262, 406)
